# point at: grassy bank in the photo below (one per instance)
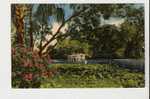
(93, 76)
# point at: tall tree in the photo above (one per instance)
(134, 29)
(18, 14)
(85, 15)
(31, 28)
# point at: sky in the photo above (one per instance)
(113, 21)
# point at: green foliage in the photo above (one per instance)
(43, 11)
(68, 46)
(128, 41)
(60, 15)
(133, 27)
(107, 40)
(93, 76)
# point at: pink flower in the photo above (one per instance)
(13, 50)
(46, 74)
(39, 65)
(49, 60)
(30, 64)
(28, 76)
(27, 63)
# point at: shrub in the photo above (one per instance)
(28, 68)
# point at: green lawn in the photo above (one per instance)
(93, 76)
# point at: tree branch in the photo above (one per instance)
(58, 30)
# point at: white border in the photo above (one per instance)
(79, 1)
(105, 93)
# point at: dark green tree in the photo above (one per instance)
(133, 27)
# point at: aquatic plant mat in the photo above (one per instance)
(93, 76)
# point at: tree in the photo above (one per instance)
(81, 11)
(107, 40)
(18, 14)
(45, 11)
(68, 46)
(134, 29)
(30, 20)
(85, 30)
